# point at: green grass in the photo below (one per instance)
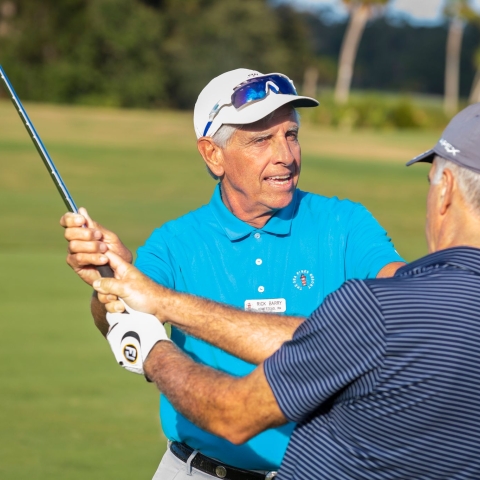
(66, 410)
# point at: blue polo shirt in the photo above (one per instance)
(303, 253)
(384, 378)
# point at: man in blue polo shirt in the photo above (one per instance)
(259, 245)
(383, 378)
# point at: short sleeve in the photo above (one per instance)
(342, 342)
(368, 248)
(154, 259)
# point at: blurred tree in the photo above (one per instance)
(296, 38)
(360, 12)
(144, 52)
(124, 46)
(34, 44)
(458, 12)
(395, 63)
(86, 51)
(310, 82)
(8, 10)
(162, 52)
(475, 92)
(299, 32)
(208, 37)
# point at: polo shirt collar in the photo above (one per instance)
(235, 229)
(466, 258)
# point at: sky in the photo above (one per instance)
(417, 11)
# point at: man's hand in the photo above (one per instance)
(88, 242)
(251, 336)
(134, 288)
(132, 337)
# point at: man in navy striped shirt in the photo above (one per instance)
(383, 378)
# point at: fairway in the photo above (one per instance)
(67, 411)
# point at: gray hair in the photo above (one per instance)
(468, 181)
(225, 133)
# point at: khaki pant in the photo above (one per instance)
(172, 468)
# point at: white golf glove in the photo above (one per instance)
(132, 336)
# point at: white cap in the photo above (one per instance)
(221, 88)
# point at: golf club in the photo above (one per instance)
(104, 270)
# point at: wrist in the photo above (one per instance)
(153, 358)
(163, 303)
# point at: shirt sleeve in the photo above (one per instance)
(343, 341)
(154, 259)
(368, 248)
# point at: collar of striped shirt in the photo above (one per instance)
(465, 258)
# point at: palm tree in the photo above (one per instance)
(475, 93)
(360, 12)
(459, 12)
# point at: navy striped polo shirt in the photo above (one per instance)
(384, 377)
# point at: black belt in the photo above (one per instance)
(214, 467)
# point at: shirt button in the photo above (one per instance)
(257, 235)
(261, 289)
(258, 261)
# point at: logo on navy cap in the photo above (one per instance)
(449, 148)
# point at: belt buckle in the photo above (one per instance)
(270, 475)
(221, 471)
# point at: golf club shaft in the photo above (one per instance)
(105, 270)
(57, 179)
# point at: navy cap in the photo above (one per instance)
(460, 142)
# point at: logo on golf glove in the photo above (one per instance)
(130, 353)
(132, 337)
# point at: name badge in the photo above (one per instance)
(270, 305)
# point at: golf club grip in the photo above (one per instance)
(105, 271)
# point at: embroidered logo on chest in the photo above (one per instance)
(303, 279)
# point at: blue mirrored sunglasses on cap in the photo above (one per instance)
(254, 90)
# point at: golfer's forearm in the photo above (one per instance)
(252, 337)
(99, 315)
(230, 407)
